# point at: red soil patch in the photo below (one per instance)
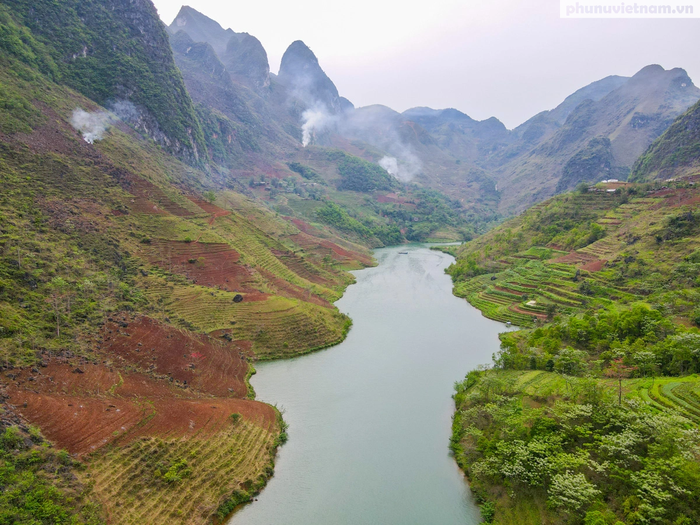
(300, 267)
(584, 261)
(213, 210)
(514, 308)
(305, 227)
(150, 199)
(83, 405)
(507, 290)
(391, 198)
(208, 264)
(293, 291)
(84, 424)
(594, 266)
(211, 366)
(324, 247)
(675, 198)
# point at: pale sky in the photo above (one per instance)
(505, 58)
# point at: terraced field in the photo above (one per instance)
(523, 287)
(679, 394)
(522, 294)
(161, 480)
(275, 325)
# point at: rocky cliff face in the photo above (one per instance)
(598, 138)
(243, 55)
(301, 73)
(201, 28)
(246, 60)
(116, 50)
(675, 154)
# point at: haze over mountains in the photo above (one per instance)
(596, 133)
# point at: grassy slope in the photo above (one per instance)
(610, 279)
(675, 154)
(77, 227)
(520, 435)
(581, 251)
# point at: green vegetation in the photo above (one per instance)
(36, 485)
(567, 451)
(359, 175)
(103, 54)
(590, 414)
(675, 154)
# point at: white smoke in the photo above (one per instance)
(93, 125)
(404, 169)
(314, 120)
(390, 164)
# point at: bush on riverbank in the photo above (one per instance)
(567, 452)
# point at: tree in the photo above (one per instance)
(209, 196)
(59, 299)
(619, 371)
(571, 491)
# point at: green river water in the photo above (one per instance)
(370, 418)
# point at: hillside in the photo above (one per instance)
(599, 139)
(133, 303)
(676, 154)
(541, 448)
(598, 391)
(116, 53)
(256, 123)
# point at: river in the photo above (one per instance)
(369, 420)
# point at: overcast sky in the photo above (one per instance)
(504, 58)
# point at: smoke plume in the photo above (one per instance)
(315, 120)
(93, 125)
(404, 169)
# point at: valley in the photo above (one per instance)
(180, 226)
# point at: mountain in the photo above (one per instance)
(675, 154)
(598, 139)
(133, 299)
(116, 51)
(306, 80)
(242, 54)
(246, 60)
(201, 28)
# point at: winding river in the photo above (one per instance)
(370, 419)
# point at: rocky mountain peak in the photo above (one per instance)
(303, 75)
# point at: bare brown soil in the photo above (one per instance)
(213, 210)
(212, 366)
(584, 261)
(325, 247)
(207, 264)
(507, 290)
(516, 309)
(594, 266)
(293, 291)
(149, 380)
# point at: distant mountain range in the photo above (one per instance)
(596, 133)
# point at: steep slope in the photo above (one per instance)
(598, 140)
(201, 28)
(306, 80)
(605, 285)
(583, 249)
(131, 306)
(118, 51)
(242, 54)
(675, 154)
